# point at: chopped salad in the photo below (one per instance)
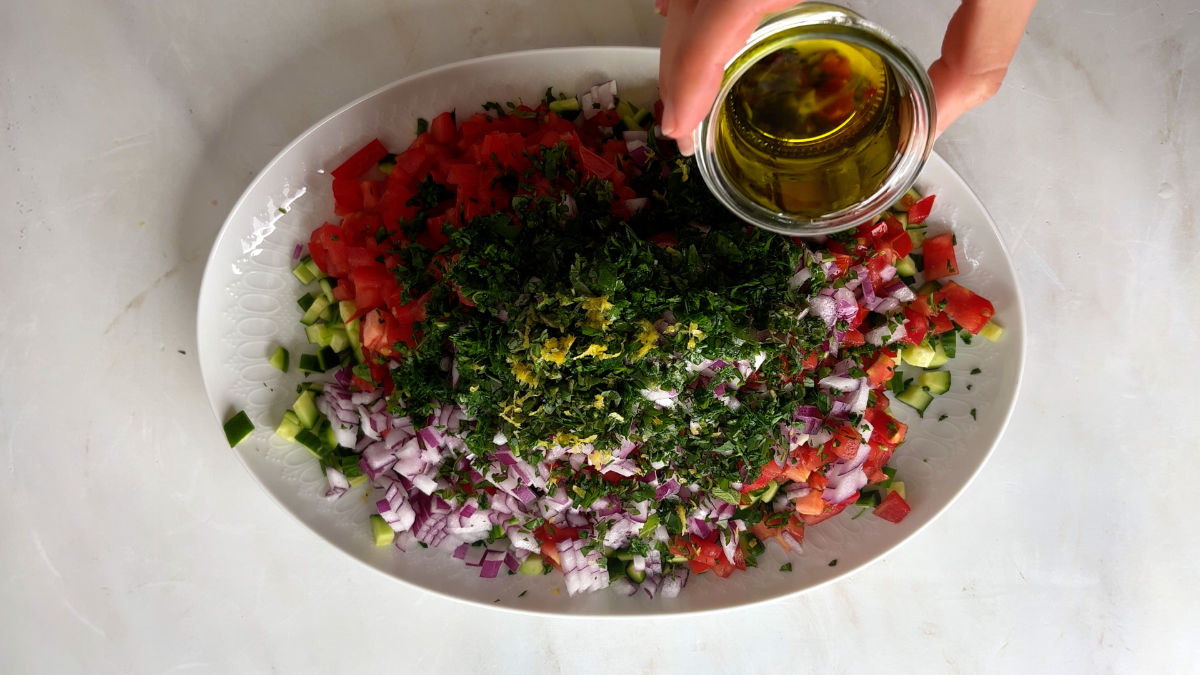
(552, 351)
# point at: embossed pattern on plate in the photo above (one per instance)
(247, 307)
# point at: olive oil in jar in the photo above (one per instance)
(810, 128)
(822, 122)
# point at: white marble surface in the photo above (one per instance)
(131, 540)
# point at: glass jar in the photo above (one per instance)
(822, 122)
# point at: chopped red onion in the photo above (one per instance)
(338, 484)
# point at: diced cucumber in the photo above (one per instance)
(928, 288)
(280, 359)
(386, 164)
(289, 426)
(306, 409)
(769, 492)
(869, 499)
(643, 118)
(906, 267)
(312, 268)
(991, 331)
(940, 358)
(533, 565)
(309, 363)
(381, 532)
(902, 218)
(339, 340)
(949, 343)
(327, 289)
(328, 437)
(327, 358)
(311, 442)
(318, 334)
(917, 355)
(303, 272)
(305, 301)
(916, 398)
(315, 310)
(561, 106)
(347, 309)
(917, 234)
(615, 567)
(238, 427)
(635, 575)
(936, 382)
(898, 487)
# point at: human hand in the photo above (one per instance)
(701, 36)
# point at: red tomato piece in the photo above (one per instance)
(915, 326)
(554, 534)
(967, 309)
(829, 511)
(940, 323)
(940, 261)
(373, 285)
(768, 474)
(893, 508)
(347, 196)
(918, 212)
(881, 370)
(442, 129)
(595, 164)
(361, 162)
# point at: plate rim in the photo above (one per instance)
(1018, 308)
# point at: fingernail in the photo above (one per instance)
(685, 146)
(660, 6)
(668, 121)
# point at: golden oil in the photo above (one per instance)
(822, 122)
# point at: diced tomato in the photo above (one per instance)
(412, 162)
(915, 326)
(328, 250)
(829, 512)
(881, 370)
(876, 460)
(967, 309)
(810, 504)
(940, 323)
(347, 196)
(550, 554)
(885, 428)
(664, 239)
(844, 443)
(853, 338)
(442, 129)
(843, 262)
(940, 261)
(373, 285)
(768, 474)
(900, 242)
(361, 162)
(918, 212)
(796, 472)
(596, 165)
(554, 534)
(893, 508)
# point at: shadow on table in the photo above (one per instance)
(324, 73)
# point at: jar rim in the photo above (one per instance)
(824, 21)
